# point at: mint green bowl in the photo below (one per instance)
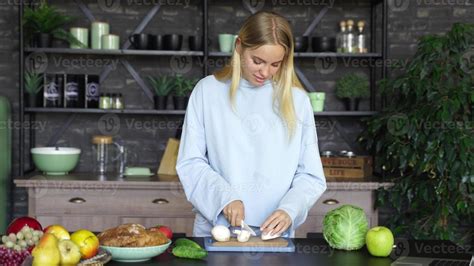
(133, 254)
(55, 160)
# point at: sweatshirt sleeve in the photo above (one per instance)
(206, 189)
(309, 182)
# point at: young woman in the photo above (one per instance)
(249, 149)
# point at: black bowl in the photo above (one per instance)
(301, 44)
(322, 44)
(172, 42)
(195, 43)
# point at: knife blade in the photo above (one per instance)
(245, 227)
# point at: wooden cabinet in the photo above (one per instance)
(83, 201)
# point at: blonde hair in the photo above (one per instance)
(260, 29)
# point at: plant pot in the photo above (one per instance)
(33, 100)
(160, 102)
(351, 104)
(180, 102)
(301, 44)
(172, 42)
(58, 43)
(323, 44)
(42, 40)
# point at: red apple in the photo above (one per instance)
(58, 231)
(164, 229)
(18, 224)
(88, 243)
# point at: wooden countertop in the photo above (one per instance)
(76, 180)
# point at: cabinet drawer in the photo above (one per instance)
(177, 225)
(333, 199)
(166, 203)
(73, 223)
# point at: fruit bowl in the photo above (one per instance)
(55, 160)
(135, 254)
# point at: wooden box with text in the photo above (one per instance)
(355, 167)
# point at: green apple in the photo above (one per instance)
(70, 253)
(379, 241)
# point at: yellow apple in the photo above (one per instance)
(70, 253)
(87, 241)
(58, 231)
(46, 252)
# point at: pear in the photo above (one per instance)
(46, 252)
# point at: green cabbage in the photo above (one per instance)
(345, 227)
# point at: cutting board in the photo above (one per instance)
(255, 244)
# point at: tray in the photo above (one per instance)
(235, 246)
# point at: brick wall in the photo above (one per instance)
(408, 20)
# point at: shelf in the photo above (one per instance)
(315, 55)
(112, 52)
(169, 112)
(104, 111)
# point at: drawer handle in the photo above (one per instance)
(77, 200)
(331, 202)
(160, 201)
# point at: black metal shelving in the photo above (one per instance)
(30, 113)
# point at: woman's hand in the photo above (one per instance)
(277, 223)
(234, 212)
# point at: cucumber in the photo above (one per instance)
(186, 242)
(189, 252)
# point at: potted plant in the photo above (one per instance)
(33, 85)
(162, 87)
(424, 143)
(44, 23)
(183, 88)
(351, 88)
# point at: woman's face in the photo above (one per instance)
(259, 65)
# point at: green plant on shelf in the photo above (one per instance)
(183, 86)
(424, 142)
(47, 19)
(33, 82)
(352, 86)
(162, 86)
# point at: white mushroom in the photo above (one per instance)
(244, 236)
(269, 236)
(220, 233)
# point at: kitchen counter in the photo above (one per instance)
(82, 200)
(309, 251)
(161, 182)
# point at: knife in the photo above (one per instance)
(245, 227)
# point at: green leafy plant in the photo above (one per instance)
(352, 86)
(183, 86)
(424, 141)
(33, 82)
(162, 85)
(47, 19)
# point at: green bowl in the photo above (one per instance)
(55, 160)
(125, 254)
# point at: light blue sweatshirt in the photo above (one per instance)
(246, 155)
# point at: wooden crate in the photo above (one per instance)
(356, 167)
